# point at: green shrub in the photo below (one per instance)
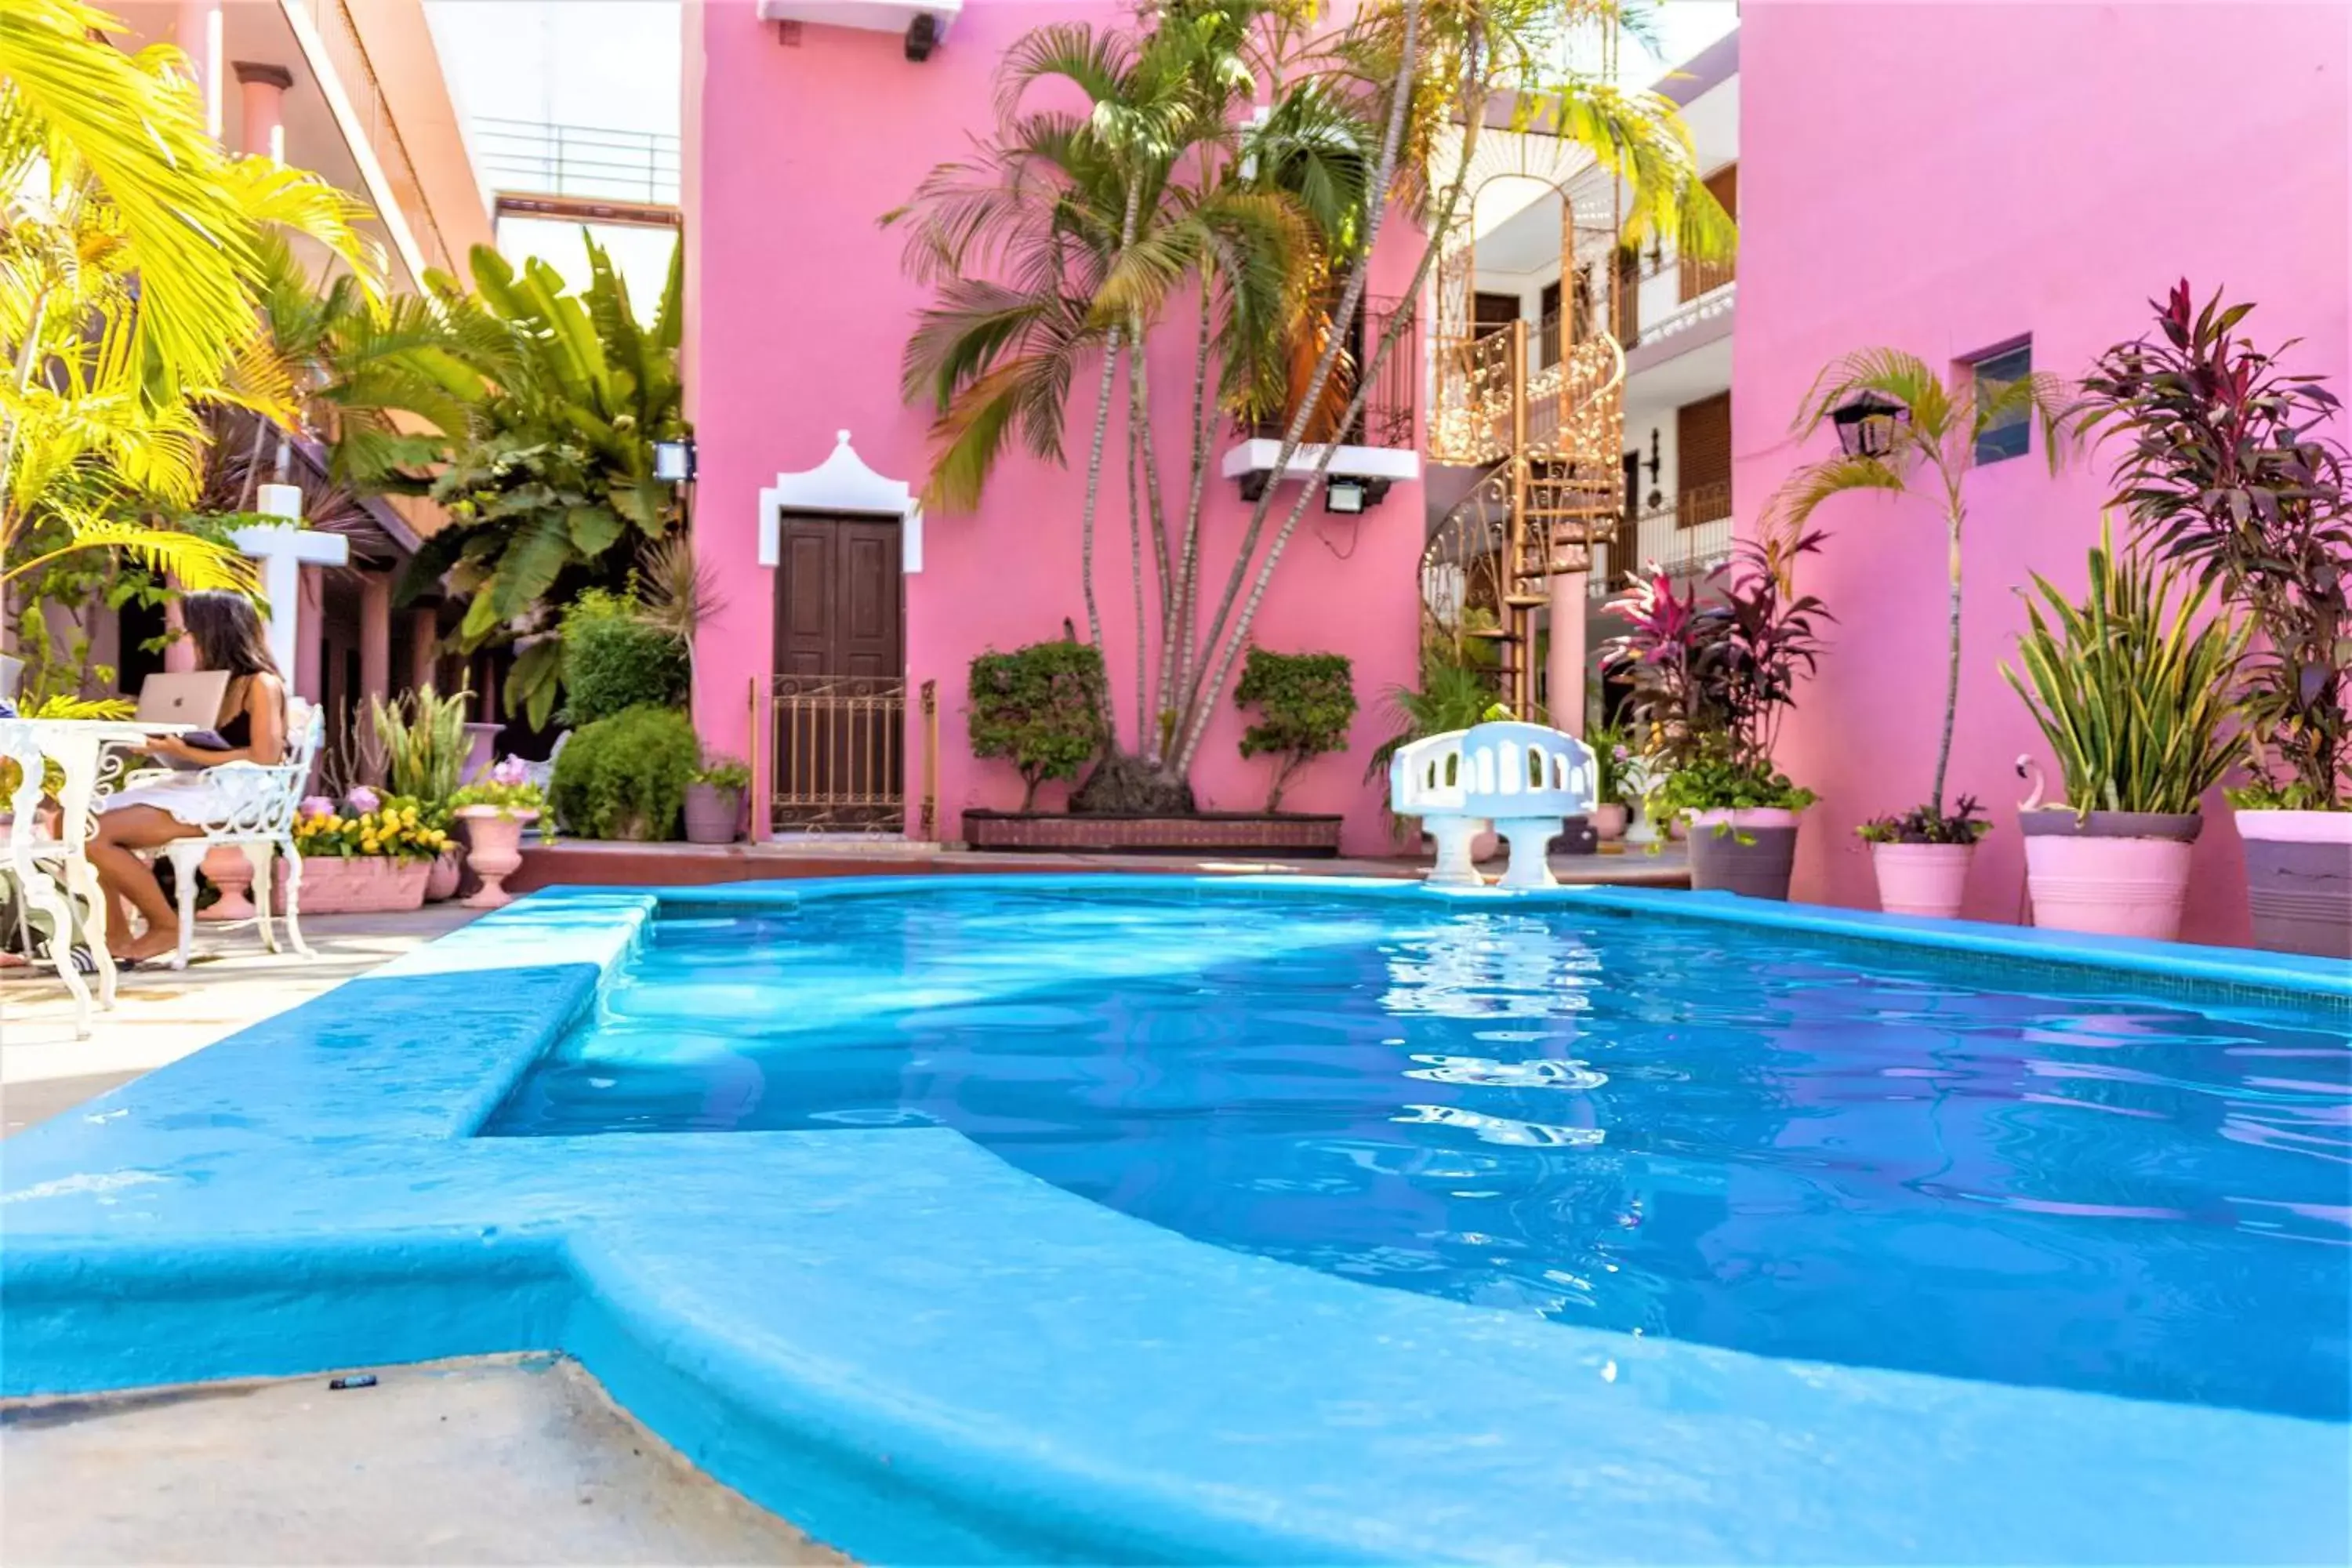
(1304, 702)
(1039, 707)
(626, 777)
(613, 661)
(724, 772)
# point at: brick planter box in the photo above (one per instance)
(1210, 833)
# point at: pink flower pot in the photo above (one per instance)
(1608, 822)
(362, 885)
(495, 851)
(227, 869)
(1927, 879)
(448, 870)
(2113, 874)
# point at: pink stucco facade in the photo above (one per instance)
(1947, 178)
(797, 312)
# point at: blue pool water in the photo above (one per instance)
(1693, 1130)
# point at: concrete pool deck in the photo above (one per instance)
(500, 1459)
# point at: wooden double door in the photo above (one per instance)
(839, 698)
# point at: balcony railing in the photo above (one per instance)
(1387, 419)
(577, 159)
(1705, 277)
(348, 55)
(1683, 537)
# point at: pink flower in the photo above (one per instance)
(316, 805)
(511, 770)
(363, 800)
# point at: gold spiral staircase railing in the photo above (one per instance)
(1550, 439)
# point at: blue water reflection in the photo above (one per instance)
(1693, 1131)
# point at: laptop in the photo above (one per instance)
(183, 697)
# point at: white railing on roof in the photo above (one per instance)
(542, 158)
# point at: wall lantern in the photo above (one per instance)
(1866, 424)
(674, 461)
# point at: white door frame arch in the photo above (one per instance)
(841, 483)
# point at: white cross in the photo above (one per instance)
(283, 552)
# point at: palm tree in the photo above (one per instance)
(1067, 234)
(1933, 441)
(550, 487)
(128, 279)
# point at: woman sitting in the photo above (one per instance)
(228, 635)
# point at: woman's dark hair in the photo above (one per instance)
(227, 633)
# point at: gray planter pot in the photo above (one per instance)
(713, 814)
(1746, 852)
(2299, 881)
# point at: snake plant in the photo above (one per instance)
(2132, 685)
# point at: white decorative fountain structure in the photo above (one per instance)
(1524, 781)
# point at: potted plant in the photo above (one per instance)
(1455, 692)
(1614, 766)
(2225, 468)
(1921, 857)
(2132, 688)
(494, 809)
(1901, 425)
(366, 855)
(1305, 701)
(424, 745)
(714, 801)
(1711, 681)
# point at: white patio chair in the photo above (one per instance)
(259, 821)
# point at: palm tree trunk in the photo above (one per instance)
(1102, 428)
(1143, 728)
(1176, 648)
(1376, 203)
(1205, 692)
(1951, 679)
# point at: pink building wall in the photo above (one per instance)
(1947, 177)
(797, 313)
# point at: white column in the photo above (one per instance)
(283, 552)
(198, 33)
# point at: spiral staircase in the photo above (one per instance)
(1537, 408)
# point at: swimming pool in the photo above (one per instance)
(1776, 1143)
(827, 1274)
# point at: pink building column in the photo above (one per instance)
(1564, 663)
(375, 637)
(263, 88)
(424, 646)
(198, 33)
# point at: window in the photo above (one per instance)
(1552, 327)
(2008, 436)
(1703, 460)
